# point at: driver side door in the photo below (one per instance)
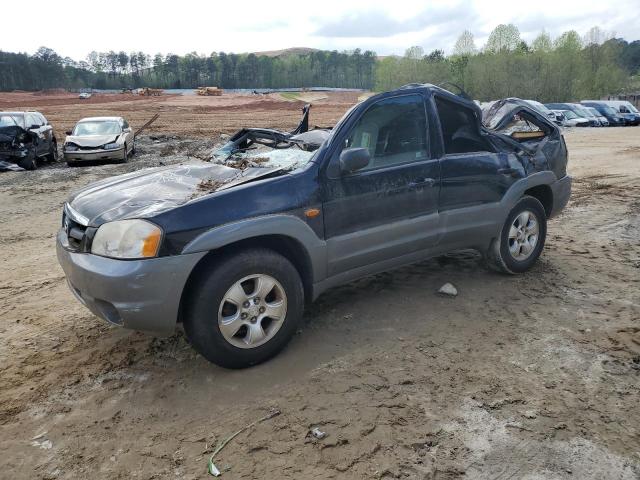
(387, 209)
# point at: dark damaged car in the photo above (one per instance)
(235, 248)
(25, 137)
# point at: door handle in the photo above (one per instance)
(423, 182)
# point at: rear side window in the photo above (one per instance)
(460, 131)
(394, 131)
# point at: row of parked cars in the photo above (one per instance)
(590, 113)
(28, 137)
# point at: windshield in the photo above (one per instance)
(7, 121)
(569, 115)
(630, 106)
(264, 157)
(584, 112)
(96, 128)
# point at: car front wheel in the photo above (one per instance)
(244, 308)
(522, 237)
(30, 162)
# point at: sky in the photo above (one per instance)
(386, 27)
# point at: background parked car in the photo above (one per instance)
(584, 112)
(84, 95)
(44, 140)
(626, 110)
(559, 117)
(602, 119)
(571, 119)
(99, 138)
(611, 114)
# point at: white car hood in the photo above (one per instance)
(92, 140)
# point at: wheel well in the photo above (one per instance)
(544, 195)
(288, 247)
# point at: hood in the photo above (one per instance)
(147, 192)
(92, 140)
(8, 134)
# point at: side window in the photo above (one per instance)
(125, 124)
(393, 130)
(460, 131)
(32, 120)
(43, 121)
(623, 109)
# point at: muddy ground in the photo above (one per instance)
(534, 376)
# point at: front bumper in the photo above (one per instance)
(93, 155)
(561, 190)
(137, 294)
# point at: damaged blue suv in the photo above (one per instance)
(234, 248)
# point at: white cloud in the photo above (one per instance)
(383, 26)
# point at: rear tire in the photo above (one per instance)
(232, 315)
(521, 239)
(125, 155)
(52, 156)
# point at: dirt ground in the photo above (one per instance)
(534, 376)
(185, 115)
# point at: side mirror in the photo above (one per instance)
(68, 132)
(353, 159)
(126, 130)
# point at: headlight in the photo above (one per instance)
(127, 239)
(111, 146)
(70, 147)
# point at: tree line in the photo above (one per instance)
(114, 70)
(569, 67)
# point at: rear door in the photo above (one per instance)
(35, 125)
(389, 208)
(474, 177)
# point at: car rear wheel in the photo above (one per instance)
(244, 308)
(522, 237)
(52, 156)
(125, 155)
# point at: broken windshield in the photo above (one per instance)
(263, 156)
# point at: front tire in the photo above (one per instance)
(30, 162)
(244, 308)
(521, 239)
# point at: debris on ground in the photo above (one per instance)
(448, 289)
(209, 91)
(211, 467)
(146, 125)
(317, 433)
(44, 444)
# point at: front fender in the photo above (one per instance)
(286, 225)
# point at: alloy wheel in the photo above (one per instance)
(252, 311)
(523, 235)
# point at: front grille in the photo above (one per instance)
(75, 232)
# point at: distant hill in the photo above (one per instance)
(286, 51)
